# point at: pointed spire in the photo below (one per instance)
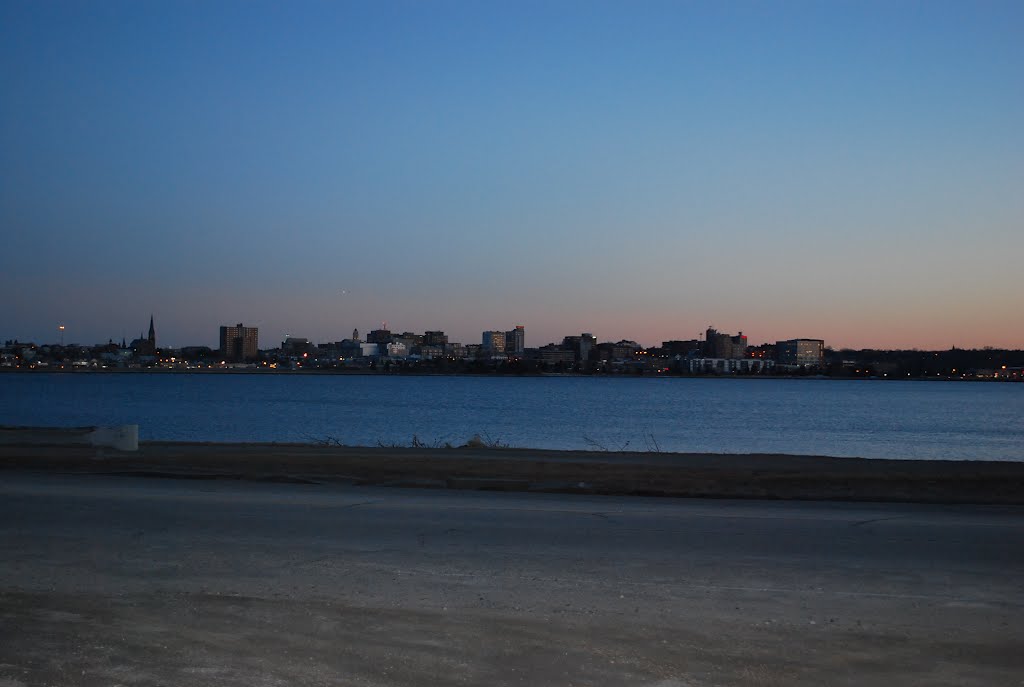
(152, 331)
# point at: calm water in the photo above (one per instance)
(873, 419)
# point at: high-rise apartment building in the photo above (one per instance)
(493, 342)
(587, 343)
(515, 340)
(239, 343)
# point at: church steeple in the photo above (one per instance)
(152, 333)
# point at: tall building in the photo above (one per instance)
(796, 352)
(493, 342)
(435, 338)
(587, 343)
(515, 340)
(379, 336)
(718, 345)
(152, 334)
(239, 343)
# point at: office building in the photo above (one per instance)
(797, 352)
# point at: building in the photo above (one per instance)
(726, 366)
(681, 348)
(515, 340)
(724, 346)
(435, 338)
(493, 342)
(297, 345)
(239, 343)
(556, 355)
(145, 346)
(455, 350)
(800, 352)
(379, 336)
(428, 352)
(587, 343)
(395, 349)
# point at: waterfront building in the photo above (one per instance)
(726, 366)
(681, 348)
(493, 342)
(239, 343)
(717, 345)
(623, 350)
(797, 352)
(515, 340)
(554, 355)
(379, 336)
(587, 343)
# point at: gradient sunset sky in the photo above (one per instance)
(852, 171)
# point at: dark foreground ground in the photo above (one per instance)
(759, 476)
(126, 581)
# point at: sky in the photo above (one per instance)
(851, 171)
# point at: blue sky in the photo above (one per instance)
(846, 171)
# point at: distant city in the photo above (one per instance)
(506, 352)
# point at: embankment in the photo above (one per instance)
(762, 476)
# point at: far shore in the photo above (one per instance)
(757, 476)
(362, 372)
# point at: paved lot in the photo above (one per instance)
(127, 581)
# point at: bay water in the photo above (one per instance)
(870, 419)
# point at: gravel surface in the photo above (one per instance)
(128, 581)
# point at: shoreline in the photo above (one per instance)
(701, 475)
(510, 375)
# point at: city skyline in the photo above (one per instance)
(849, 172)
(740, 338)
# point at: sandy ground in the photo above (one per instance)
(586, 472)
(129, 581)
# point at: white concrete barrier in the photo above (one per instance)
(123, 438)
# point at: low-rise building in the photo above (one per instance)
(800, 352)
(725, 366)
